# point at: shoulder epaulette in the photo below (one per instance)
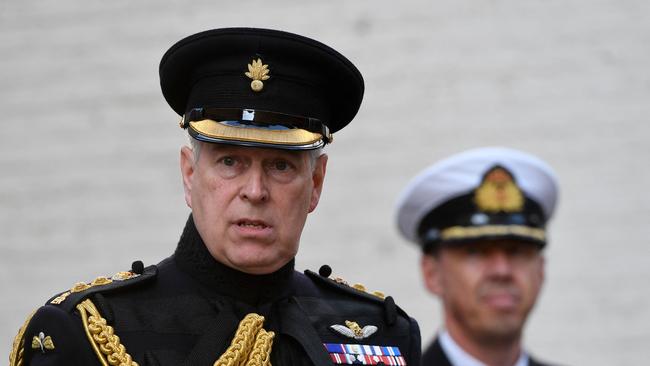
(68, 300)
(391, 310)
(357, 289)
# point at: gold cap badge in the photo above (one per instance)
(257, 71)
(498, 192)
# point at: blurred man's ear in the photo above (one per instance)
(431, 273)
(542, 268)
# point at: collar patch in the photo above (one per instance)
(42, 342)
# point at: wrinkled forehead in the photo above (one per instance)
(253, 152)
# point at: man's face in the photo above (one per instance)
(487, 288)
(250, 204)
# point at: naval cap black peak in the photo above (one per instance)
(298, 81)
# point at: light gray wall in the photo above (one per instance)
(89, 150)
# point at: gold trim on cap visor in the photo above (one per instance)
(290, 137)
(463, 232)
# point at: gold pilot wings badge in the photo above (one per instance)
(353, 330)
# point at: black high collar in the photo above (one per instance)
(193, 257)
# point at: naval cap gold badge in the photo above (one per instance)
(499, 192)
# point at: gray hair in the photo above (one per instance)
(195, 145)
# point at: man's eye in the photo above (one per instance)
(475, 251)
(228, 161)
(472, 251)
(281, 165)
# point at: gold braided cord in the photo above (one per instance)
(242, 342)
(462, 232)
(16, 355)
(261, 353)
(249, 340)
(102, 337)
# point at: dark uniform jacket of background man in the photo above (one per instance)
(259, 106)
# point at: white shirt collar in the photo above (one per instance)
(458, 357)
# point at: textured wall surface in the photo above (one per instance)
(89, 177)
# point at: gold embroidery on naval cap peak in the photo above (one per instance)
(258, 72)
(359, 287)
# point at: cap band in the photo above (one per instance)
(460, 219)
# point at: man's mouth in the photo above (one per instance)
(503, 298)
(252, 224)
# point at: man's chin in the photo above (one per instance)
(501, 330)
(258, 265)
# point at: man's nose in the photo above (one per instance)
(499, 263)
(255, 187)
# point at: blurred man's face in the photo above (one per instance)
(250, 204)
(487, 289)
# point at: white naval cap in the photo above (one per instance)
(483, 193)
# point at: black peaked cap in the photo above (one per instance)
(307, 78)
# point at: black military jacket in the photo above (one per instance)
(434, 355)
(185, 311)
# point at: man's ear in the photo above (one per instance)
(318, 177)
(542, 269)
(187, 172)
(430, 267)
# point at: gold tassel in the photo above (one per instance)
(261, 353)
(105, 342)
(251, 344)
(16, 355)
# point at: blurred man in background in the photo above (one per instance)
(480, 218)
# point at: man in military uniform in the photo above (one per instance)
(480, 219)
(259, 105)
